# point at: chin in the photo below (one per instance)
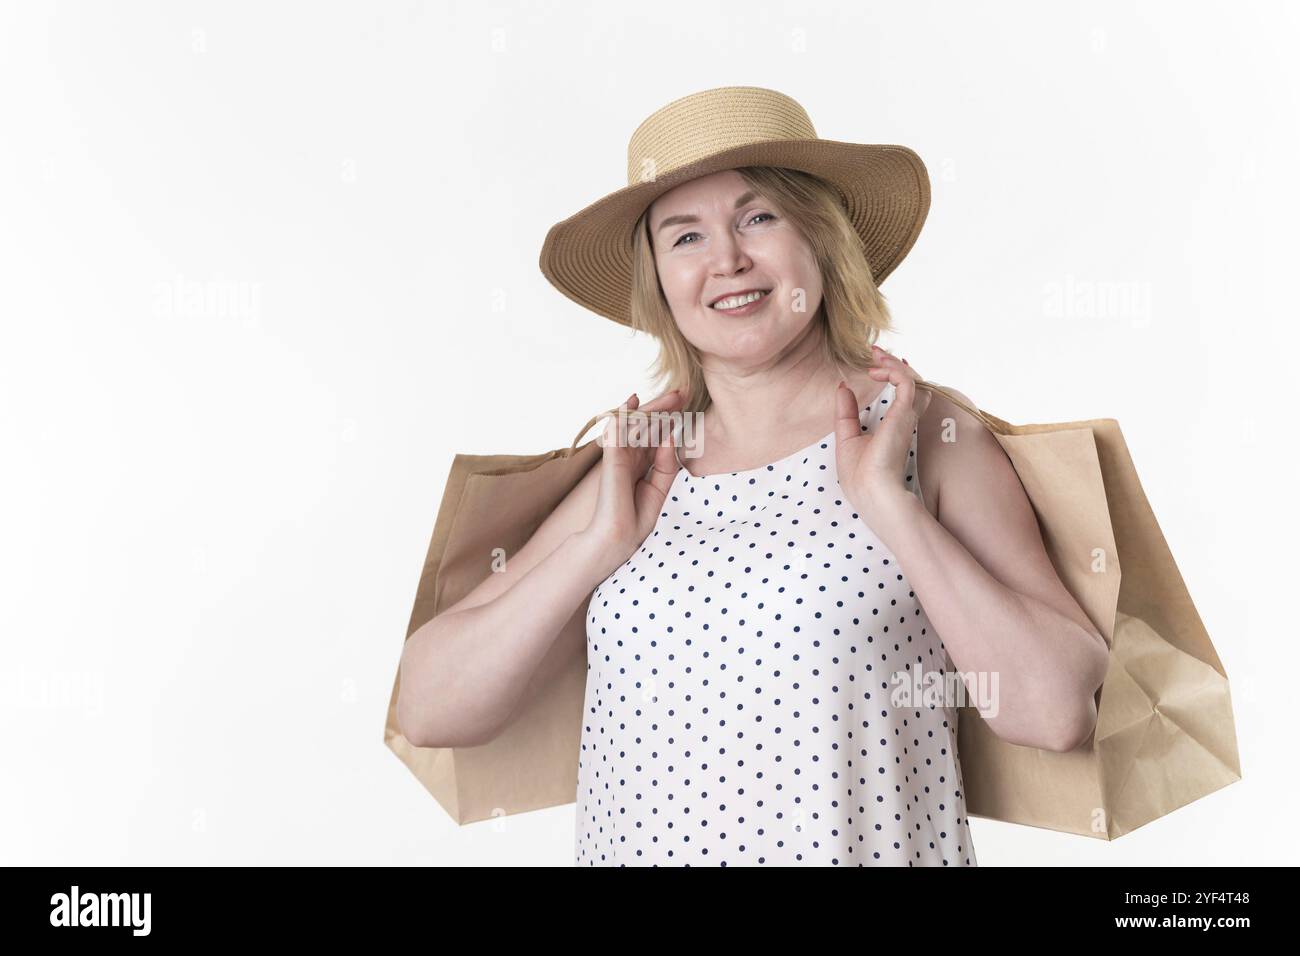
(752, 346)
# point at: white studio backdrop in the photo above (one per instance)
(268, 266)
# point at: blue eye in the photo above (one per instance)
(751, 219)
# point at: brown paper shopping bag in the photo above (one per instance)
(491, 502)
(1165, 735)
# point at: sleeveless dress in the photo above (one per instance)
(746, 675)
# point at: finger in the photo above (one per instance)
(620, 438)
(654, 438)
(648, 427)
(666, 400)
(643, 423)
(923, 397)
(639, 423)
(666, 466)
(921, 400)
(653, 487)
(635, 430)
(625, 423)
(848, 419)
(905, 389)
(608, 433)
(893, 362)
(883, 355)
(890, 361)
(611, 476)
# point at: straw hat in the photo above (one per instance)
(885, 189)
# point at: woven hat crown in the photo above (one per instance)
(697, 126)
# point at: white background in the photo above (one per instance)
(213, 512)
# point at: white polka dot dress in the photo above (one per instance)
(745, 670)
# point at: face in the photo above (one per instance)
(714, 237)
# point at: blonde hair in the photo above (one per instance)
(853, 311)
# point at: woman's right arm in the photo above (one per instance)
(465, 672)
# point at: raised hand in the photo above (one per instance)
(872, 465)
(629, 500)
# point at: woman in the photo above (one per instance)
(764, 617)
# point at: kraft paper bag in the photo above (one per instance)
(495, 502)
(1165, 734)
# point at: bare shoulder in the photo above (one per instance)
(983, 503)
(955, 445)
(942, 408)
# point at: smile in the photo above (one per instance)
(739, 303)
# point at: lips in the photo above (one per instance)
(742, 293)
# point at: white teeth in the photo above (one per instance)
(736, 301)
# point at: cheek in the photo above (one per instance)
(678, 282)
(800, 266)
(799, 273)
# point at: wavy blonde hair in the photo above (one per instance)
(853, 311)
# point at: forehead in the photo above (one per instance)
(720, 187)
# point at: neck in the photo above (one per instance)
(762, 406)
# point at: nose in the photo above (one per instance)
(728, 255)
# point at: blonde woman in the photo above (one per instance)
(764, 617)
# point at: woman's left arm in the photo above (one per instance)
(982, 574)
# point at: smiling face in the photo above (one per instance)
(714, 237)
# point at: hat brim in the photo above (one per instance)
(886, 192)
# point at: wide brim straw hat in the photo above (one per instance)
(885, 189)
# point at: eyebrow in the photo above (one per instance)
(678, 220)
